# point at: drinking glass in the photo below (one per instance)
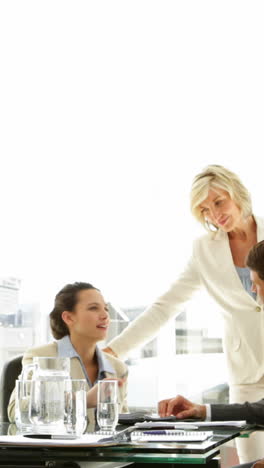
(107, 404)
(75, 406)
(22, 403)
(46, 409)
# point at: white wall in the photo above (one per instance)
(108, 109)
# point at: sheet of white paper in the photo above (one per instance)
(86, 439)
(222, 423)
(189, 425)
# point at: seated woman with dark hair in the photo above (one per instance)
(78, 321)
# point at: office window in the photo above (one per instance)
(178, 359)
(106, 116)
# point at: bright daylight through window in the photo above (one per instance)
(104, 125)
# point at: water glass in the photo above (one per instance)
(22, 401)
(46, 409)
(107, 404)
(75, 406)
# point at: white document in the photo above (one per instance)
(222, 423)
(189, 425)
(84, 440)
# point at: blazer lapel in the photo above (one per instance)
(260, 228)
(110, 375)
(76, 369)
(224, 260)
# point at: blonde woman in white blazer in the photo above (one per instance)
(222, 204)
(78, 321)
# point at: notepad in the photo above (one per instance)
(170, 436)
(166, 425)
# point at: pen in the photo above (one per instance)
(50, 436)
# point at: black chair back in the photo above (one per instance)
(10, 373)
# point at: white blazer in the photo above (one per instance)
(212, 266)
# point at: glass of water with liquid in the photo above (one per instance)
(107, 405)
(23, 393)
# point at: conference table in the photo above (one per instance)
(126, 454)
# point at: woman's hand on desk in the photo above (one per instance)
(92, 394)
(181, 408)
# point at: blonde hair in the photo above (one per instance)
(218, 177)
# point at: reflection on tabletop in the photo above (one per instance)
(8, 429)
(12, 429)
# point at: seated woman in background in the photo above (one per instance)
(78, 321)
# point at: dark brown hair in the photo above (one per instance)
(255, 259)
(66, 299)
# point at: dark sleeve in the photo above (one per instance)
(251, 412)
